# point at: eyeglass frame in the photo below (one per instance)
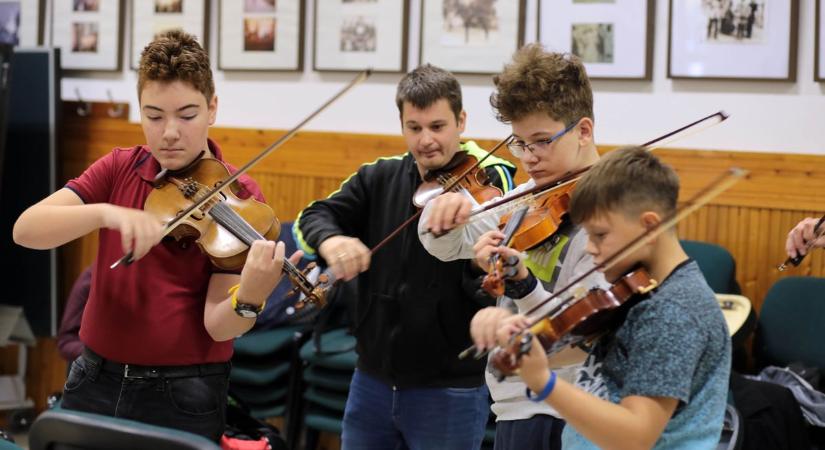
(517, 150)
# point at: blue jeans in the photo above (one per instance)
(381, 417)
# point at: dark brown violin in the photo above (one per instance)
(462, 174)
(225, 226)
(575, 321)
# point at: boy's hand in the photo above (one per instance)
(484, 326)
(488, 244)
(139, 230)
(346, 256)
(448, 211)
(801, 235)
(262, 270)
(534, 370)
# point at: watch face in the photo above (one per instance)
(246, 311)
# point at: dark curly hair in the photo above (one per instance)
(541, 81)
(176, 55)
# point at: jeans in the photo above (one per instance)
(195, 404)
(540, 432)
(382, 417)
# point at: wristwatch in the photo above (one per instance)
(248, 310)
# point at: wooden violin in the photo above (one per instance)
(462, 174)
(225, 226)
(581, 319)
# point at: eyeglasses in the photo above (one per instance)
(517, 148)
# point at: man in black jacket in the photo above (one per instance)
(413, 311)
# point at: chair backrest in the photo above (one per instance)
(716, 264)
(791, 323)
(60, 428)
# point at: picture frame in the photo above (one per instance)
(604, 34)
(261, 35)
(703, 34)
(157, 16)
(89, 32)
(819, 42)
(352, 35)
(21, 22)
(454, 37)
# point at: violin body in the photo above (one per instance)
(543, 219)
(175, 193)
(576, 320)
(475, 183)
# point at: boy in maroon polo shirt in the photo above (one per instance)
(158, 333)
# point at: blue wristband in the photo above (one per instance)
(548, 388)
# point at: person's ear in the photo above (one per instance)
(585, 131)
(213, 109)
(462, 121)
(649, 219)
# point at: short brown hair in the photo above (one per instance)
(629, 180)
(426, 85)
(541, 81)
(176, 55)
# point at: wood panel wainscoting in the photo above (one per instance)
(751, 220)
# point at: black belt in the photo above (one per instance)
(136, 371)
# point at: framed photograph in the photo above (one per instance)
(261, 35)
(733, 39)
(819, 43)
(470, 36)
(352, 35)
(605, 34)
(152, 17)
(21, 22)
(89, 33)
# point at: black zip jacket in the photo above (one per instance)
(413, 311)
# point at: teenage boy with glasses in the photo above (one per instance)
(547, 99)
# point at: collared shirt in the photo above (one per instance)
(149, 312)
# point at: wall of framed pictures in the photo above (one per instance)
(634, 99)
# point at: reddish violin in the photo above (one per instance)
(575, 321)
(462, 174)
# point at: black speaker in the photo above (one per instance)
(29, 174)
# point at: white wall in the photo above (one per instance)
(765, 116)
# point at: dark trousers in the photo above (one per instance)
(196, 404)
(540, 432)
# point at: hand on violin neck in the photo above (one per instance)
(447, 211)
(488, 248)
(262, 270)
(345, 256)
(139, 230)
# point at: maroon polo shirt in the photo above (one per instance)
(149, 312)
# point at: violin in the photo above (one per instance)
(493, 282)
(462, 174)
(579, 320)
(225, 226)
(579, 317)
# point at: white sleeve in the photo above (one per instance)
(458, 243)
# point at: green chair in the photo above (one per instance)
(60, 428)
(7, 445)
(790, 324)
(716, 264)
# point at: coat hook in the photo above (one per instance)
(84, 108)
(115, 109)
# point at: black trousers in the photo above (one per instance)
(196, 404)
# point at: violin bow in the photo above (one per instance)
(667, 138)
(796, 260)
(212, 193)
(719, 185)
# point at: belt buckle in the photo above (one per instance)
(126, 373)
